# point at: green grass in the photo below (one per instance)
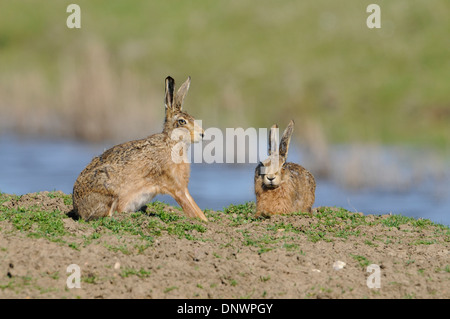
(233, 282)
(89, 279)
(38, 223)
(66, 198)
(136, 232)
(17, 283)
(35, 222)
(147, 228)
(446, 269)
(328, 224)
(141, 273)
(264, 278)
(129, 226)
(363, 261)
(169, 289)
(241, 214)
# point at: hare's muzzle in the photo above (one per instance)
(271, 181)
(270, 171)
(198, 133)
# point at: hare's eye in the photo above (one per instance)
(182, 121)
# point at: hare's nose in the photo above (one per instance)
(271, 178)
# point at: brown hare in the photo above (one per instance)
(127, 176)
(282, 187)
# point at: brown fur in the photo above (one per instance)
(282, 187)
(127, 176)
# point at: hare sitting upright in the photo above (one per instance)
(127, 176)
(282, 187)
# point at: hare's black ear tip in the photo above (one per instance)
(169, 79)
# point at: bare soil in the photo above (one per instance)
(161, 254)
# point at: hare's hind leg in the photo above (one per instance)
(95, 205)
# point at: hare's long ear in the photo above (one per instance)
(273, 139)
(286, 139)
(181, 93)
(170, 86)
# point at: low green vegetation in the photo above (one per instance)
(169, 289)
(141, 273)
(141, 244)
(37, 222)
(238, 222)
(363, 261)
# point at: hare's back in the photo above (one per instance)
(301, 175)
(136, 150)
(304, 187)
(123, 162)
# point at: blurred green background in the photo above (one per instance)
(252, 63)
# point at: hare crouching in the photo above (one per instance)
(127, 176)
(282, 187)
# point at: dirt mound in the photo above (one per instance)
(48, 201)
(160, 253)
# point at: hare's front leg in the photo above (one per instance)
(187, 203)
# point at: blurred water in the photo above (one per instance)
(33, 165)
